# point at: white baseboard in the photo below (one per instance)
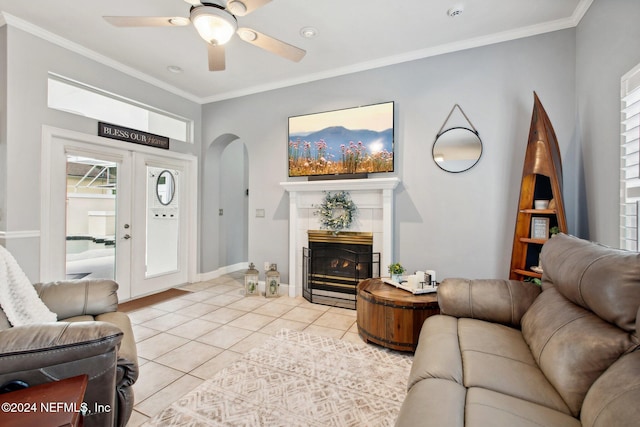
(203, 277)
(241, 266)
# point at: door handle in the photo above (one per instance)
(126, 237)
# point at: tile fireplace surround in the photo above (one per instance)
(374, 199)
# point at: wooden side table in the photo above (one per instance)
(57, 403)
(392, 317)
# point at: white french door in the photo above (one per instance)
(159, 248)
(153, 231)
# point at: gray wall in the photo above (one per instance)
(457, 224)
(608, 46)
(233, 225)
(28, 61)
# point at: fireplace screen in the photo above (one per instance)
(332, 270)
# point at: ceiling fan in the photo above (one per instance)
(216, 23)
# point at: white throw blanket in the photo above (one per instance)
(18, 297)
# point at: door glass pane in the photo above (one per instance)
(91, 218)
(162, 221)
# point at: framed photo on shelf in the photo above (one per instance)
(539, 228)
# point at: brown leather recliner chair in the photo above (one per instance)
(90, 337)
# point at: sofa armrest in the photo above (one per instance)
(613, 398)
(500, 301)
(35, 346)
(69, 298)
(127, 370)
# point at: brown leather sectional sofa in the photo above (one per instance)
(90, 337)
(508, 353)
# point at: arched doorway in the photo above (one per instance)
(225, 217)
(234, 200)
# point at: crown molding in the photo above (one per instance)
(8, 19)
(504, 36)
(581, 10)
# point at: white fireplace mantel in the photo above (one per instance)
(374, 199)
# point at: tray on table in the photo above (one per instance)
(405, 286)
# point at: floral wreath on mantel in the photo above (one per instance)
(337, 211)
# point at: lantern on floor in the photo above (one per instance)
(272, 282)
(251, 281)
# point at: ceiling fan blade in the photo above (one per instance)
(216, 57)
(147, 21)
(272, 45)
(244, 7)
(193, 2)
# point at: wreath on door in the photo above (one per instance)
(337, 211)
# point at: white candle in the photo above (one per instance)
(412, 281)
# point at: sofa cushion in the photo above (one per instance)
(603, 280)
(496, 357)
(434, 401)
(475, 353)
(571, 345)
(488, 408)
(494, 300)
(68, 298)
(438, 351)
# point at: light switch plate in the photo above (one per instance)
(259, 213)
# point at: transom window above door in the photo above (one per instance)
(77, 98)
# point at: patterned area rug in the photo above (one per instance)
(298, 379)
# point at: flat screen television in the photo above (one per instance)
(356, 140)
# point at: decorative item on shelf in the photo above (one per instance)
(251, 280)
(554, 230)
(539, 228)
(540, 204)
(336, 211)
(533, 280)
(272, 282)
(396, 270)
(537, 268)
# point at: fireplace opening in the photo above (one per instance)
(334, 264)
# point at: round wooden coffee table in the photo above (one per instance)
(392, 317)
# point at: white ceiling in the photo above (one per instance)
(353, 35)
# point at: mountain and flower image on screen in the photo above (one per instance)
(350, 141)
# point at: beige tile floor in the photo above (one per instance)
(186, 340)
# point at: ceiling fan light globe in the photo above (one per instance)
(215, 26)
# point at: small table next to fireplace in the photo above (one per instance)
(392, 317)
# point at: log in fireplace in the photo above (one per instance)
(334, 264)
